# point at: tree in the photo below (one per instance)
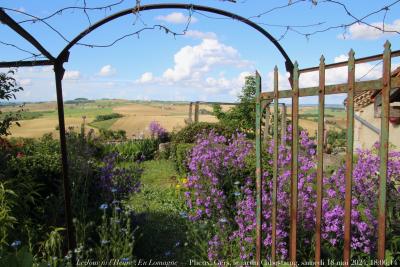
(8, 89)
(243, 115)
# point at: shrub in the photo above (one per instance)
(107, 117)
(8, 88)
(189, 133)
(7, 221)
(134, 150)
(158, 132)
(222, 194)
(182, 152)
(118, 182)
(110, 135)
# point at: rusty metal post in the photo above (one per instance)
(349, 159)
(320, 158)
(266, 127)
(196, 111)
(190, 112)
(384, 150)
(284, 125)
(275, 167)
(258, 172)
(295, 166)
(59, 73)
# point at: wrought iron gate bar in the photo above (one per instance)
(295, 166)
(4, 18)
(349, 159)
(275, 166)
(258, 172)
(320, 159)
(357, 61)
(23, 63)
(333, 89)
(351, 87)
(384, 149)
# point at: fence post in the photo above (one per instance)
(266, 127)
(196, 112)
(320, 158)
(275, 167)
(384, 145)
(258, 171)
(349, 159)
(284, 125)
(190, 112)
(294, 178)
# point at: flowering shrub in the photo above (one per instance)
(157, 131)
(215, 160)
(118, 182)
(217, 166)
(214, 164)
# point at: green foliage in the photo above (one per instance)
(180, 155)
(20, 258)
(8, 89)
(110, 135)
(107, 117)
(335, 140)
(80, 100)
(188, 133)
(116, 236)
(52, 247)
(7, 221)
(243, 115)
(143, 149)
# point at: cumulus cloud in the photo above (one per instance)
(341, 58)
(107, 70)
(361, 31)
(146, 77)
(191, 62)
(176, 18)
(72, 75)
(200, 35)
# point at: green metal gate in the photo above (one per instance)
(385, 84)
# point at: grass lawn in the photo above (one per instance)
(158, 206)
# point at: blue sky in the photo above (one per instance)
(208, 63)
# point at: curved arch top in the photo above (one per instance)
(288, 62)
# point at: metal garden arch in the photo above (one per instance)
(59, 70)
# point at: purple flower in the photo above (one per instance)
(157, 131)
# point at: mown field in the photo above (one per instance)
(41, 118)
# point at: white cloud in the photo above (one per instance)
(146, 77)
(192, 62)
(360, 31)
(176, 18)
(107, 70)
(25, 82)
(72, 75)
(341, 58)
(200, 35)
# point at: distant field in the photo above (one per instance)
(335, 119)
(41, 118)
